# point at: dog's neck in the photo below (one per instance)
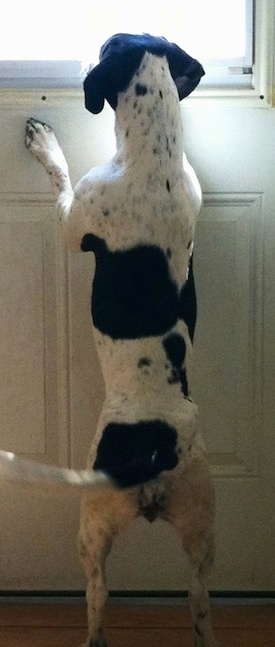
(148, 117)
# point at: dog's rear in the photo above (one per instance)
(137, 215)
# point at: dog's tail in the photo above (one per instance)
(13, 468)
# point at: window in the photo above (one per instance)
(48, 46)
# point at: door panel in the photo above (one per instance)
(228, 349)
(28, 327)
(51, 385)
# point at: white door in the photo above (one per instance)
(51, 387)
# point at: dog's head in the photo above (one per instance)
(120, 58)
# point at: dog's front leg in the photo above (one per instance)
(41, 141)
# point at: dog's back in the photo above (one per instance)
(138, 214)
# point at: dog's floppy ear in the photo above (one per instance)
(95, 86)
(120, 57)
(185, 70)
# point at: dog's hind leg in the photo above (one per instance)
(200, 552)
(93, 550)
(191, 512)
(103, 516)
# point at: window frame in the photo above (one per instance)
(262, 92)
(41, 75)
(234, 72)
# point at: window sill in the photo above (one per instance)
(238, 97)
(13, 99)
(41, 98)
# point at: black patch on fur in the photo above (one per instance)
(168, 147)
(137, 452)
(168, 186)
(144, 361)
(202, 615)
(175, 349)
(101, 642)
(179, 377)
(133, 295)
(154, 508)
(197, 630)
(188, 302)
(141, 89)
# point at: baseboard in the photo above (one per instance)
(174, 598)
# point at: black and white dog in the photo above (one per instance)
(137, 214)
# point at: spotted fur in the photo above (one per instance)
(137, 214)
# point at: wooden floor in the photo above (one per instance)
(64, 625)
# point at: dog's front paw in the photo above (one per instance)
(41, 141)
(38, 137)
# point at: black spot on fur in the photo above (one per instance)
(91, 243)
(179, 377)
(141, 89)
(168, 147)
(160, 94)
(152, 509)
(127, 133)
(202, 615)
(138, 452)
(144, 361)
(105, 211)
(168, 252)
(175, 349)
(197, 630)
(184, 383)
(188, 302)
(100, 642)
(168, 186)
(133, 295)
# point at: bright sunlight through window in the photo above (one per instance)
(63, 31)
